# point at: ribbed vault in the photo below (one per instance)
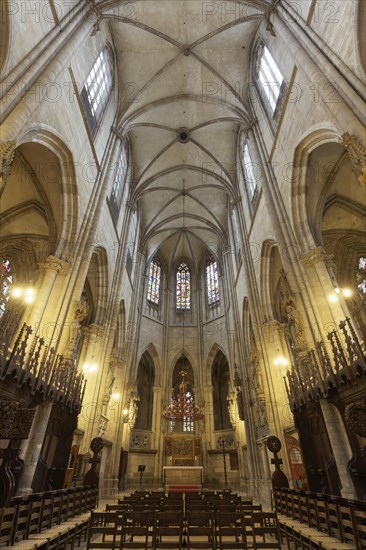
(184, 74)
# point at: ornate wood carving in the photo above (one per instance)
(355, 415)
(15, 424)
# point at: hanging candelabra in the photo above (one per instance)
(182, 406)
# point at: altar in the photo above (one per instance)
(183, 478)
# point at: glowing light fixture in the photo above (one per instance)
(90, 367)
(27, 294)
(182, 406)
(280, 361)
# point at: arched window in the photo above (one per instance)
(119, 181)
(153, 290)
(183, 288)
(97, 88)
(249, 172)
(6, 283)
(361, 275)
(295, 456)
(212, 279)
(269, 77)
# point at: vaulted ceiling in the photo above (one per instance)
(183, 69)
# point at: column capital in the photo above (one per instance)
(55, 264)
(315, 256)
(7, 152)
(95, 331)
(273, 323)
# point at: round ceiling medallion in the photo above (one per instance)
(183, 135)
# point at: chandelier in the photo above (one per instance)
(182, 405)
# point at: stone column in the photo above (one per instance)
(278, 358)
(340, 446)
(208, 429)
(33, 445)
(331, 307)
(54, 272)
(157, 429)
(92, 405)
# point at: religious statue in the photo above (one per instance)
(81, 310)
(295, 329)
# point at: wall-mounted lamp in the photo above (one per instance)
(116, 396)
(88, 368)
(280, 361)
(27, 294)
(339, 291)
(345, 292)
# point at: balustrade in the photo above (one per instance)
(37, 366)
(319, 370)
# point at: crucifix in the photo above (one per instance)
(279, 478)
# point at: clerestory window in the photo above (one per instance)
(269, 76)
(212, 281)
(183, 287)
(97, 88)
(249, 172)
(153, 289)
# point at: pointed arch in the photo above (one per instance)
(180, 353)
(145, 380)
(220, 377)
(98, 280)
(303, 231)
(5, 35)
(266, 278)
(48, 138)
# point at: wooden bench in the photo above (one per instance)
(314, 520)
(47, 520)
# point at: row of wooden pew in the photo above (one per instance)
(173, 522)
(49, 520)
(314, 520)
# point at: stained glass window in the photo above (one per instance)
(96, 90)
(270, 78)
(6, 283)
(153, 290)
(249, 172)
(361, 275)
(188, 422)
(212, 279)
(183, 289)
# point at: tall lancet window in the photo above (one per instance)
(153, 289)
(270, 77)
(212, 280)
(6, 283)
(119, 181)
(249, 172)
(183, 288)
(97, 88)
